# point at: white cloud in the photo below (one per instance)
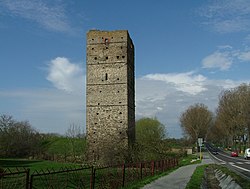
(65, 75)
(245, 56)
(227, 16)
(224, 58)
(51, 110)
(221, 60)
(51, 17)
(187, 82)
(166, 101)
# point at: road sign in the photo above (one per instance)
(200, 141)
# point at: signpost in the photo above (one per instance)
(200, 141)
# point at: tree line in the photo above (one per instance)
(229, 125)
(18, 139)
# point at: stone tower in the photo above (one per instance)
(110, 93)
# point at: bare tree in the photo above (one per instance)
(196, 121)
(77, 140)
(233, 113)
(17, 138)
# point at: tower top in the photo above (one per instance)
(99, 36)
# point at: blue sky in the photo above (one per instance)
(186, 52)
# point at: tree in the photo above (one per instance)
(244, 92)
(196, 121)
(233, 113)
(5, 122)
(149, 138)
(77, 141)
(17, 138)
(149, 130)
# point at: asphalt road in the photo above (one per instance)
(237, 164)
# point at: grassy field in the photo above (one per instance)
(72, 179)
(33, 165)
(44, 165)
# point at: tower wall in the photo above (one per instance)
(110, 93)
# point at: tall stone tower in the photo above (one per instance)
(110, 93)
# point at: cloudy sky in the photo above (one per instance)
(187, 52)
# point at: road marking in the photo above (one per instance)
(241, 168)
(240, 163)
(247, 162)
(231, 163)
(223, 162)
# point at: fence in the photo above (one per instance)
(108, 177)
(17, 178)
(121, 175)
(64, 178)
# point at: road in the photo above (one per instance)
(237, 164)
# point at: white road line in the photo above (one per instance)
(242, 160)
(240, 163)
(217, 158)
(231, 163)
(241, 168)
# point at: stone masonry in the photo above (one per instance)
(110, 93)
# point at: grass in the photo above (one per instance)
(33, 165)
(73, 179)
(196, 179)
(190, 159)
(44, 165)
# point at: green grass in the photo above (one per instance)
(189, 159)
(196, 179)
(33, 165)
(44, 165)
(74, 179)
